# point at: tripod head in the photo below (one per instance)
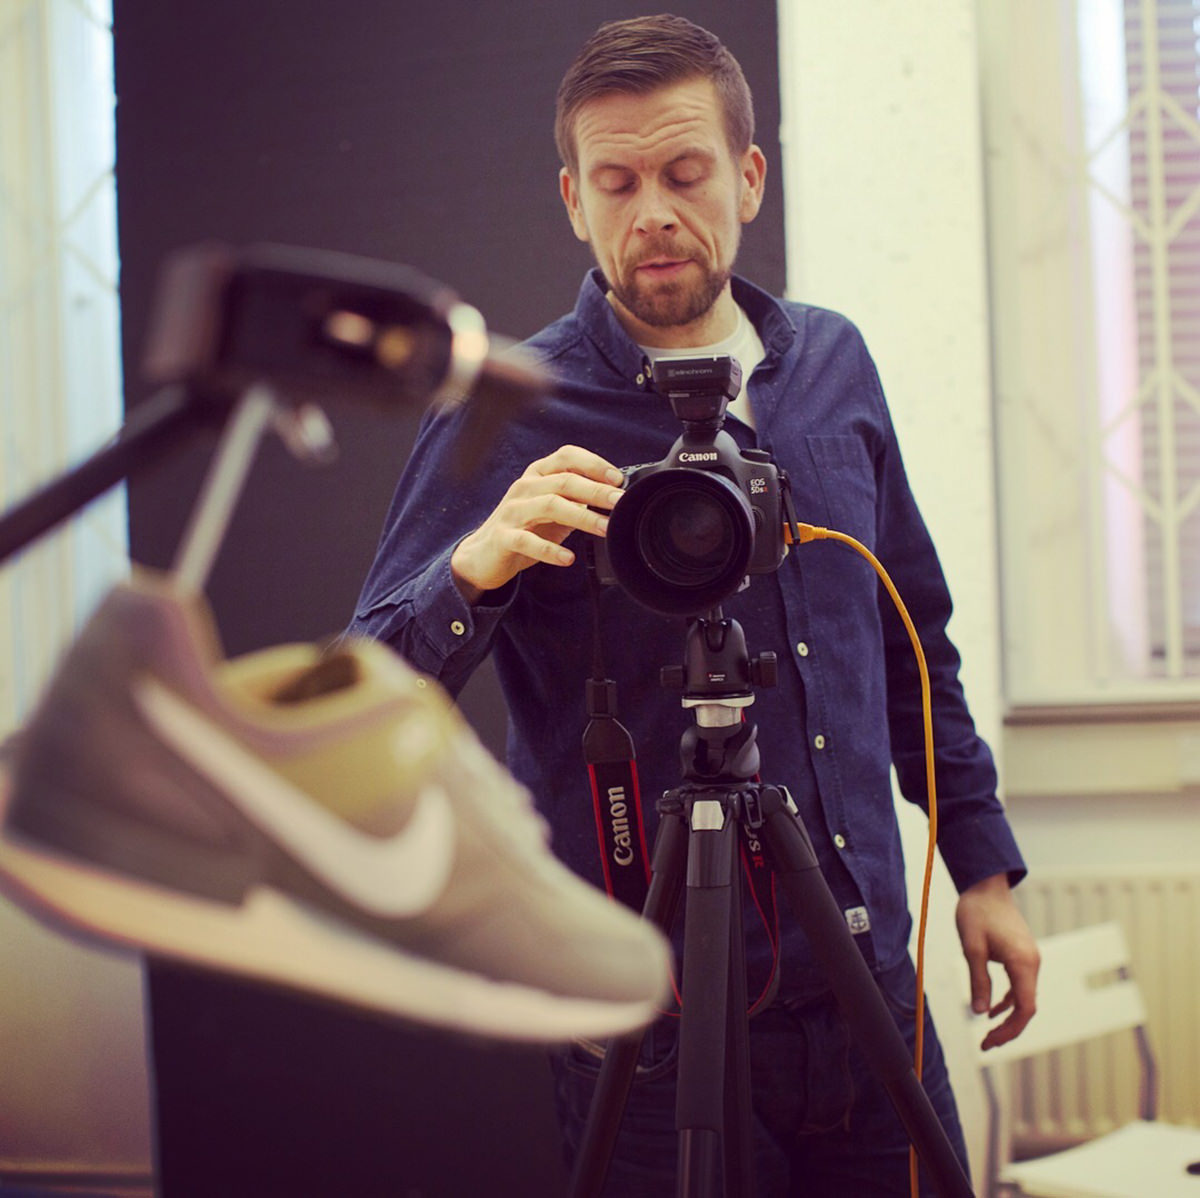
(717, 678)
(717, 667)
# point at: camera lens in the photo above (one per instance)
(680, 540)
(685, 535)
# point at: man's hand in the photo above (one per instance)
(992, 928)
(552, 499)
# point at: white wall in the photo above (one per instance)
(885, 222)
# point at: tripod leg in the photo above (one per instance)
(620, 1060)
(862, 1005)
(739, 1110)
(700, 1096)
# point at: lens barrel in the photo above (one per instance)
(680, 540)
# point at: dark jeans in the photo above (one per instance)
(823, 1126)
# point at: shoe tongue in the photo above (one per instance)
(334, 672)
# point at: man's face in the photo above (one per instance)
(661, 200)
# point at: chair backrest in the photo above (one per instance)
(1084, 990)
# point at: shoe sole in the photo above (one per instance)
(276, 940)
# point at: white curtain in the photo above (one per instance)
(60, 379)
(75, 1096)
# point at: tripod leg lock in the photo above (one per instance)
(763, 801)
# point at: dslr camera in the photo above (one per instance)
(691, 529)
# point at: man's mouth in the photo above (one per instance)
(662, 268)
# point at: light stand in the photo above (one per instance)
(254, 338)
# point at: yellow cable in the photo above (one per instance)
(809, 532)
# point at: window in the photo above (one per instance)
(1163, 73)
(1093, 129)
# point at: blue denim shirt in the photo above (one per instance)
(847, 706)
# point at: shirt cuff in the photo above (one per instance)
(979, 848)
(449, 623)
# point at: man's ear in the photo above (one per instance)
(570, 197)
(753, 172)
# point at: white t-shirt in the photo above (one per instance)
(743, 344)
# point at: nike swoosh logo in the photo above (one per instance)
(400, 876)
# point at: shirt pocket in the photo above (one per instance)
(846, 475)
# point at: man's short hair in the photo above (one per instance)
(640, 55)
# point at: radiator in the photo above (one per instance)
(1076, 1093)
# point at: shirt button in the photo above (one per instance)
(802, 649)
(840, 841)
(819, 740)
(641, 378)
(458, 627)
(422, 683)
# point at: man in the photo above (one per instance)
(655, 130)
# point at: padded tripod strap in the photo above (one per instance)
(616, 798)
(611, 759)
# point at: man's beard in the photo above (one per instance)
(671, 304)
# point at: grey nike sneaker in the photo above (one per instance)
(320, 820)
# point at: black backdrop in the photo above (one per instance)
(419, 134)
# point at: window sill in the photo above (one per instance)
(1127, 749)
(1084, 714)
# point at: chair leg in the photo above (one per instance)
(991, 1179)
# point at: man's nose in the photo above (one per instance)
(654, 211)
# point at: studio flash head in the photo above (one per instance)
(691, 529)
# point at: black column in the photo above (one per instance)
(419, 133)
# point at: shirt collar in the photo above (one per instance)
(770, 318)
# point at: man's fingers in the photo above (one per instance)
(1021, 998)
(1003, 1005)
(1022, 973)
(991, 927)
(551, 512)
(573, 459)
(538, 549)
(574, 487)
(981, 981)
(1002, 1033)
(1010, 1029)
(553, 497)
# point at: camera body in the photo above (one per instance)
(692, 528)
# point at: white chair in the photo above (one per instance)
(1085, 989)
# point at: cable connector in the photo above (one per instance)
(804, 533)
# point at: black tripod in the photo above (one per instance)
(698, 838)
